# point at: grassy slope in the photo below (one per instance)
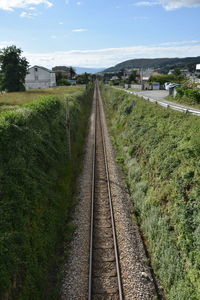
(37, 181)
(184, 101)
(159, 150)
(14, 100)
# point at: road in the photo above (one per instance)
(159, 98)
(157, 95)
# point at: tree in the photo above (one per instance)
(63, 82)
(72, 72)
(13, 68)
(177, 72)
(60, 78)
(1, 83)
(162, 78)
(83, 78)
(132, 77)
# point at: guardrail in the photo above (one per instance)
(165, 104)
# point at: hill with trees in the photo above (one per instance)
(163, 64)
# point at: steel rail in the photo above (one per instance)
(110, 202)
(92, 198)
(120, 290)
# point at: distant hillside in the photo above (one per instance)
(164, 64)
(87, 70)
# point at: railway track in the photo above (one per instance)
(104, 266)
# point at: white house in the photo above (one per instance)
(40, 78)
(114, 78)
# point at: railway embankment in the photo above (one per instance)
(158, 150)
(40, 157)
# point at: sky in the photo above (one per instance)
(100, 33)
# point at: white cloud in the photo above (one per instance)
(10, 5)
(61, 23)
(174, 4)
(180, 43)
(112, 56)
(78, 3)
(6, 44)
(29, 15)
(170, 4)
(146, 3)
(79, 30)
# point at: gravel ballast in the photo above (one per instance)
(75, 282)
(136, 276)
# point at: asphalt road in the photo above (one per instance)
(160, 97)
(157, 95)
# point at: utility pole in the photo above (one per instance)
(141, 76)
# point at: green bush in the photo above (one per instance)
(63, 82)
(180, 92)
(191, 96)
(194, 95)
(162, 78)
(159, 151)
(37, 181)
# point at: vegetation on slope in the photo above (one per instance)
(189, 96)
(37, 181)
(159, 151)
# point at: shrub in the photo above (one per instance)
(180, 92)
(194, 95)
(191, 96)
(63, 82)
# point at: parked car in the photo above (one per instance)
(169, 85)
(166, 85)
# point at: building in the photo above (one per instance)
(65, 71)
(114, 77)
(155, 86)
(40, 78)
(145, 74)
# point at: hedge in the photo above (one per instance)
(37, 181)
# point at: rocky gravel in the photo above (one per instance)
(137, 280)
(136, 276)
(75, 271)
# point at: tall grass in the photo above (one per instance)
(14, 100)
(159, 151)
